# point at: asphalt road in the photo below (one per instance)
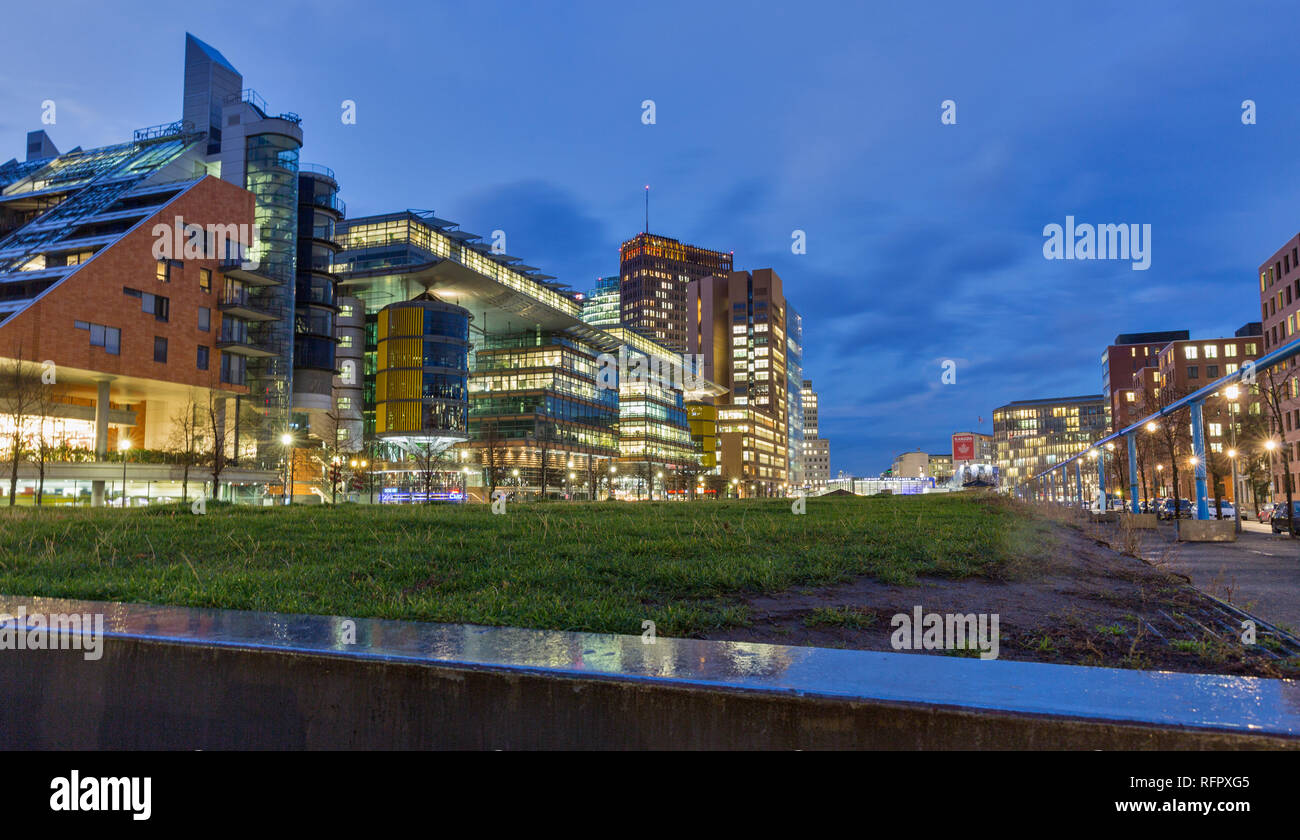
(1259, 573)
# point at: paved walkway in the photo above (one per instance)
(1259, 573)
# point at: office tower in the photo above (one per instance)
(739, 328)
(653, 274)
(816, 449)
(794, 395)
(1032, 435)
(1129, 354)
(602, 307)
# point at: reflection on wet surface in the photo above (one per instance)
(1239, 703)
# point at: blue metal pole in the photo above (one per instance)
(1133, 505)
(1198, 450)
(1078, 483)
(1101, 479)
(1051, 482)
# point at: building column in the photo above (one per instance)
(1198, 451)
(101, 438)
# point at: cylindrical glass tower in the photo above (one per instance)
(421, 385)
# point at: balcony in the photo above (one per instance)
(248, 273)
(240, 304)
(329, 202)
(236, 340)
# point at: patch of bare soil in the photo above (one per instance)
(1084, 604)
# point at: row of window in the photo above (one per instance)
(110, 338)
(163, 274)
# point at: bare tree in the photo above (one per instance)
(429, 462)
(690, 472)
(493, 454)
(187, 439)
(216, 434)
(332, 454)
(1275, 384)
(49, 399)
(545, 444)
(1256, 468)
(21, 396)
(1173, 436)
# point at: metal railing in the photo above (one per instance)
(1246, 374)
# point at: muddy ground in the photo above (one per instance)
(1083, 603)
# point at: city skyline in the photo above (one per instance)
(557, 157)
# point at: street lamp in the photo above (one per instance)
(1271, 446)
(286, 440)
(124, 446)
(1231, 392)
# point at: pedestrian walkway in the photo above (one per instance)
(1259, 573)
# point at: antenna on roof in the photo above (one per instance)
(647, 209)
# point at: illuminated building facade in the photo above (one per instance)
(1279, 298)
(538, 423)
(794, 395)
(602, 306)
(739, 328)
(315, 304)
(654, 272)
(1032, 435)
(816, 449)
(1129, 354)
(137, 343)
(1187, 366)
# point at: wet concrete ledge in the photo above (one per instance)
(181, 678)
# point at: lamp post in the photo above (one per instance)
(613, 470)
(1231, 392)
(124, 446)
(1271, 446)
(1160, 479)
(286, 440)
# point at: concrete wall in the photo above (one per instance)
(178, 678)
(151, 695)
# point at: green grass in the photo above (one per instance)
(598, 567)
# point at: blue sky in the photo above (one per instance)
(924, 240)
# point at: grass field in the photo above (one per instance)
(571, 566)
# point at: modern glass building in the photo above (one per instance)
(536, 415)
(1032, 435)
(421, 382)
(739, 327)
(315, 303)
(653, 274)
(794, 389)
(601, 306)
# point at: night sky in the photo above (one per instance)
(924, 240)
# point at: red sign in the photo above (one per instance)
(963, 447)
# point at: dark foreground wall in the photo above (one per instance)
(210, 679)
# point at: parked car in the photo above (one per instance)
(1266, 513)
(1166, 509)
(1224, 511)
(1280, 521)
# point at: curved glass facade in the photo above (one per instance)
(271, 172)
(422, 376)
(314, 304)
